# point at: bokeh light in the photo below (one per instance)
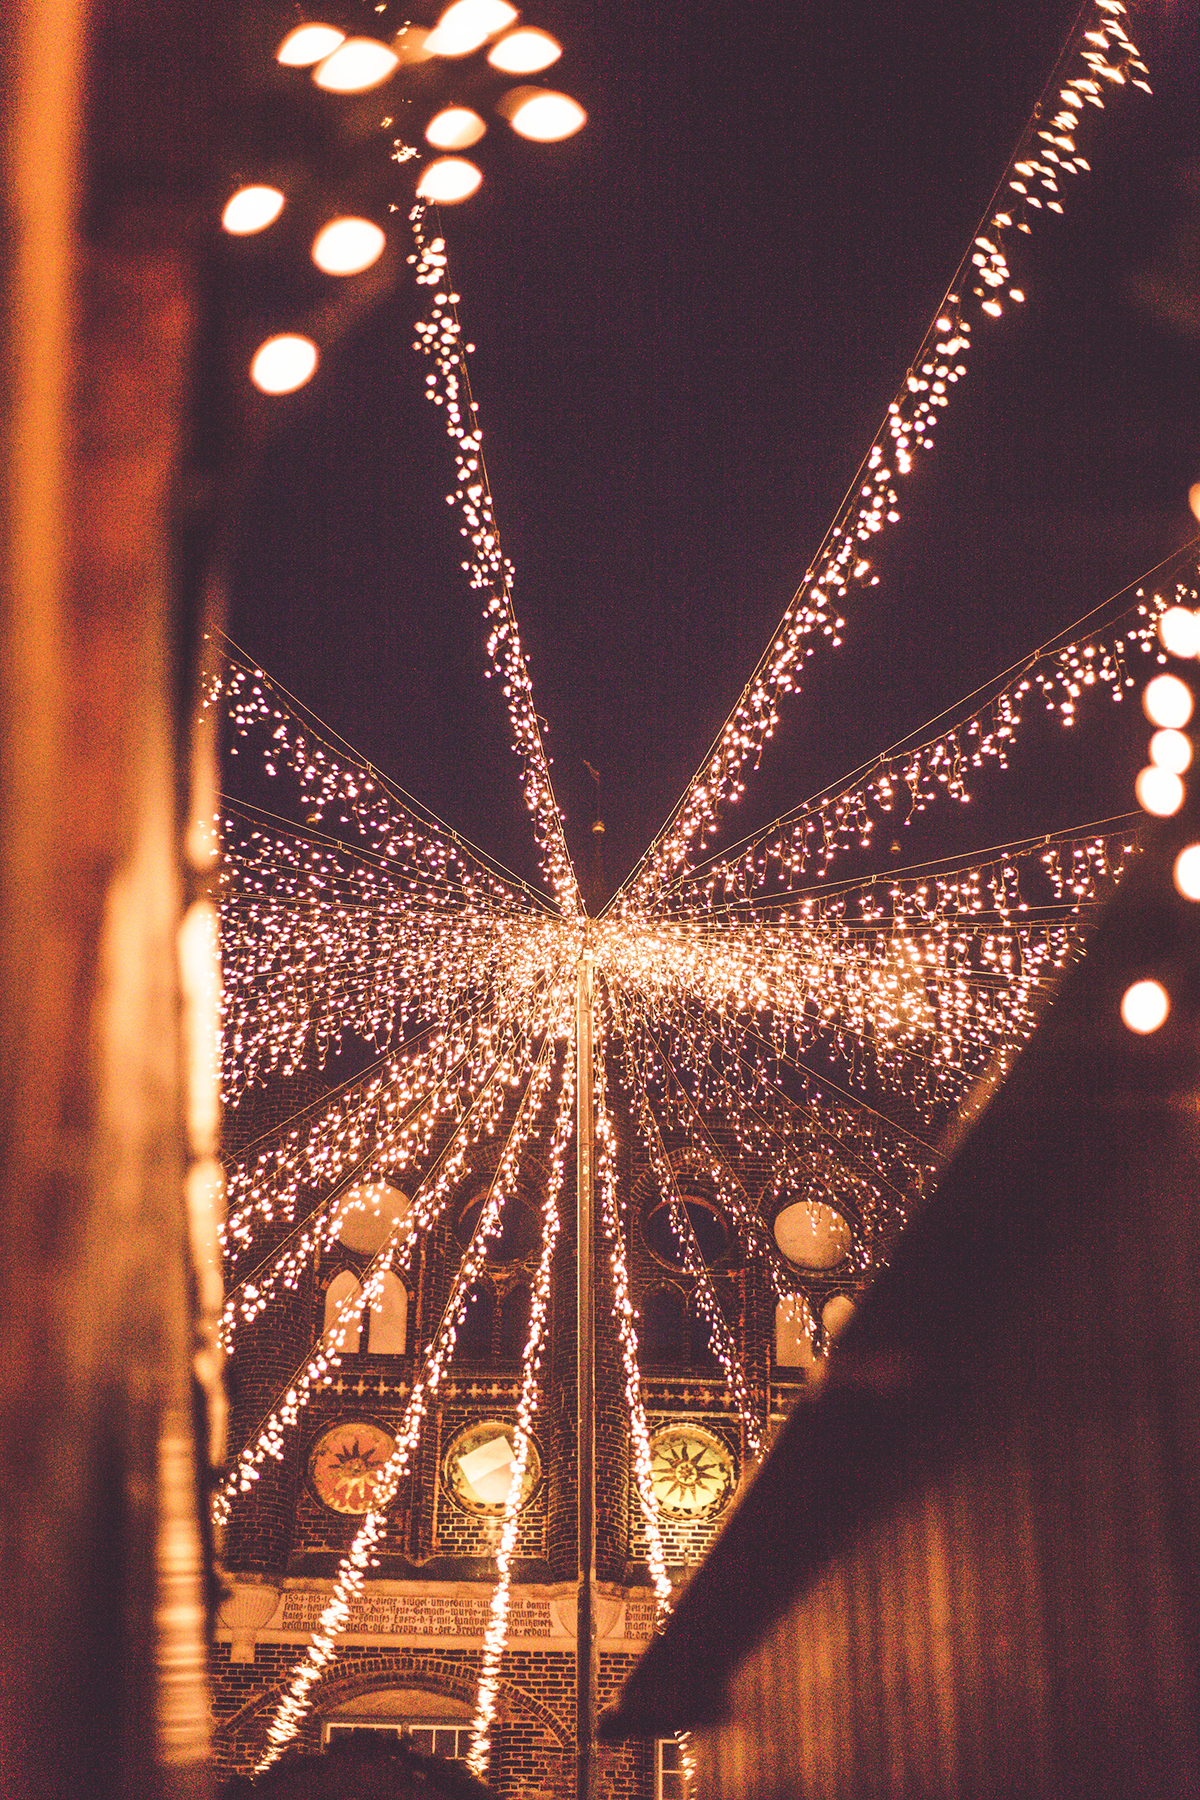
(1179, 631)
(449, 180)
(542, 115)
(1187, 872)
(308, 44)
(1145, 1005)
(525, 52)
(283, 364)
(251, 209)
(358, 65)
(348, 246)
(467, 24)
(455, 128)
(1158, 792)
(1171, 750)
(1167, 701)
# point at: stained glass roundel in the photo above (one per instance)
(345, 1463)
(693, 1473)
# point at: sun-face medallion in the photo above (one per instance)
(345, 1463)
(693, 1473)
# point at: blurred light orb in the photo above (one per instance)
(525, 52)
(542, 115)
(1194, 498)
(1187, 872)
(347, 246)
(283, 364)
(356, 66)
(251, 209)
(1167, 701)
(467, 24)
(308, 44)
(1145, 1005)
(1171, 750)
(449, 180)
(1158, 792)
(1179, 631)
(455, 128)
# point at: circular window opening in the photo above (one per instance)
(708, 1225)
(517, 1236)
(813, 1235)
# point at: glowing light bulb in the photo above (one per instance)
(1179, 631)
(449, 180)
(542, 115)
(467, 24)
(1171, 750)
(455, 128)
(1158, 792)
(1187, 872)
(356, 66)
(308, 44)
(1194, 498)
(251, 209)
(283, 364)
(1167, 701)
(1144, 1006)
(525, 52)
(347, 246)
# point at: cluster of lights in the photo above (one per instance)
(349, 245)
(1168, 704)
(910, 778)
(439, 337)
(1102, 52)
(363, 1552)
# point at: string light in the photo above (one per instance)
(1047, 154)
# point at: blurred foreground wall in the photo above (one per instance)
(97, 635)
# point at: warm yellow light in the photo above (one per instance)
(1167, 701)
(455, 128)
(1145, 1005)
(308, 44)
(1187, 872)
(347, 246)
(1194, 498)
(251, 209)
(359, 64)
(1179, 631)
(283, 364)
(1171, 750)
(449, 180)
(467, 24)
(1158, 792)
(525, 52)
(544, 116)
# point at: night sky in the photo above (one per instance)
(690, 320)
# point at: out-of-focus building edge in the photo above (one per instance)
(969, 1566)
(104, 209)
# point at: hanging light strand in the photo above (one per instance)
(1099, 57)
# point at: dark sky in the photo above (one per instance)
(689, 321)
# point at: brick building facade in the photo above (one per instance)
(412, 1651)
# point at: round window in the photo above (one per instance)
(813, 1235)
(709, 1228)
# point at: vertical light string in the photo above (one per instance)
(496, 1634)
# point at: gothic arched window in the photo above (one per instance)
(342, 1289)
